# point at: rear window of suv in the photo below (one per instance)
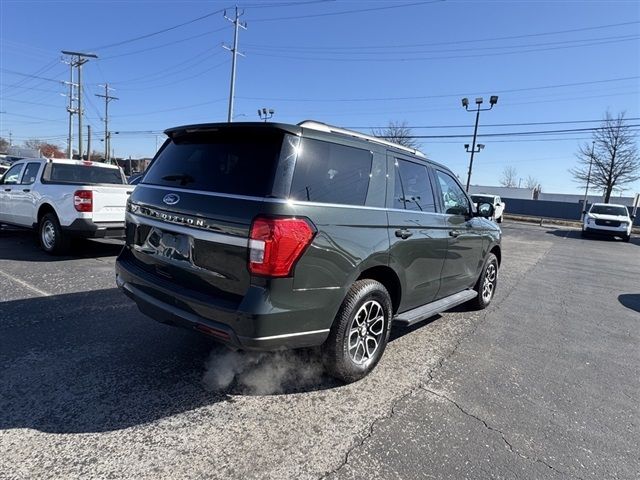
(81, 174)
(239, 162)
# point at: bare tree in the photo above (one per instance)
(4, 144)
(397, 132)
(614, 157)
(532, 182)
(509, 177)
(48, 150)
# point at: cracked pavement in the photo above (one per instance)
(544, 384)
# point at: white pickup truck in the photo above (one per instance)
(498, 205)
(61, 199)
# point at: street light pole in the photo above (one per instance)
(465, 103)
(586, 190)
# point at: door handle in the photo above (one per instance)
(403, 234)
(455, 233)
(26, 189)
(7, 189)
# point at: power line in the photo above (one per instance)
(414, 127)
(346, 12)
(449, 57)
(457, 42)
(510, 134)
(419, 97)
(465, 49)
(179, 80)
(13, 72)
(194, 20)
(168, 44)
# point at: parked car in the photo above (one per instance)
(271, 236)
(3, 168)
(64, 198)
(608, 219)
(498, 205)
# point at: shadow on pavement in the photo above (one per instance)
(22, 245)
(630, 300)
(566, 233)
(90, 362)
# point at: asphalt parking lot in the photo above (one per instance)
(544, 384)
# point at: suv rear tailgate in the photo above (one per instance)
(205, 252)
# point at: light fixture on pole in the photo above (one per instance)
(265, 113)
(465, 103)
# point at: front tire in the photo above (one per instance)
(359, 333)
(487, 283)
(626, 238)
(499, 219)
(52, 239)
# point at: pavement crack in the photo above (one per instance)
(430, 374)
(507, 443)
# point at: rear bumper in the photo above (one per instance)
(168, 303)
(83, 227)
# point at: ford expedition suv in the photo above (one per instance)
(268, 236)
(61, 199)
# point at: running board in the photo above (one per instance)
(430, 309)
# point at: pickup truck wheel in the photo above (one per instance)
(499, 219)
(487, 282)
(626, 238)
(52, 239)
(359, 333)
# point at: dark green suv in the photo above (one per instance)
(268, 236)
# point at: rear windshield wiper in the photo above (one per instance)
(183, 178)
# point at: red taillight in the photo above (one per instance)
(276, 244)
(83, 200)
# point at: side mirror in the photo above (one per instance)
(633, 217)
(485, 210)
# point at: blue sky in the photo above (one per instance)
(356, 64)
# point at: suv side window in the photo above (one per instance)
(412, 189)
(30, 173)
(454, 200)
(12, 175)
(331, 173)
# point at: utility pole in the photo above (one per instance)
(107, 137)
(465, 103)
(234, 51)
(70, 109)
(89, 143)
(79, 59)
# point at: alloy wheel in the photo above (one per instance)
(365, 332)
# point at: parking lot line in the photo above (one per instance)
(42, 293)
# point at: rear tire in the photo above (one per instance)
(487, 283)
(51, 237)
(359, 333)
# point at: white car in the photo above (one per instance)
(64, 198)
(495, 200)
(608, 219)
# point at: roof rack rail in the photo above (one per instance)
(324, 127)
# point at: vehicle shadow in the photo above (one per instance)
(22, 245)
(90, 362)
(566, 233)
(630, 300)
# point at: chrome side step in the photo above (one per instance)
(430, 309)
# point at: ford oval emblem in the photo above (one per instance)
(171, 198)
